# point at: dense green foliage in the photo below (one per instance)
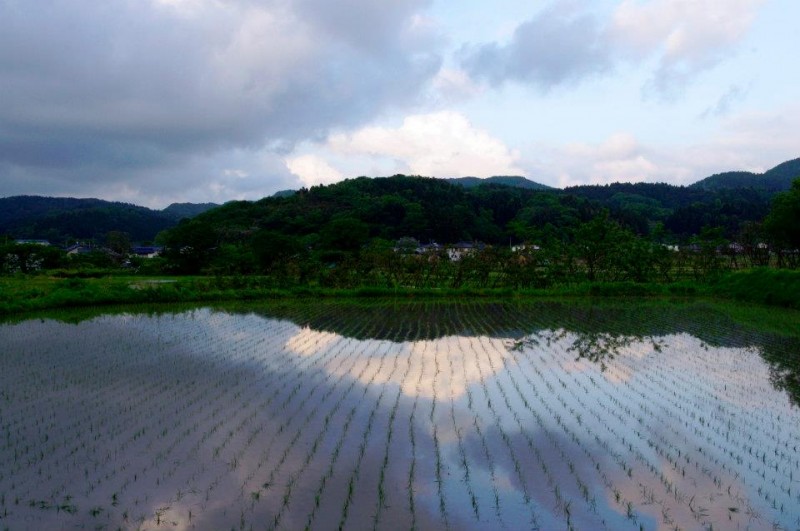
(373, 235)
(783, 222)
(507, 180)
(774, 287)
(63, 219)
(178, 211)
(346, 235)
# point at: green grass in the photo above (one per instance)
(21, 294)
(773, 287)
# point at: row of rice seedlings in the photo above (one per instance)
(325, 381)
(333, 357)
(489, 461)
(562, 505)
(240, 383)
(361, 520)
(716, 458)
(322, 435)
(598, 467)
(582, 484)
(575, 413)
(412, 470)
(533, 518)
(726, 453)
(160, 436)
(232, 463)
(439, 466)
(462, 454)
(621, 432)
(383, 498)
(311, 368)
(647, 397)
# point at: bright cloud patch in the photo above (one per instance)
(751, 142)
(443, 144)
(313, 170)
(690, 36)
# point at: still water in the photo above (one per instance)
(547, 415)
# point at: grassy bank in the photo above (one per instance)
(20, 294)
(771, 287)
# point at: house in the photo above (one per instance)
(459, 250)
(147, 251)
(79, 248)
(735, 248)
(522, 247)
(428, 248)
(45, 243)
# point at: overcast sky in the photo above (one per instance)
(157, 101)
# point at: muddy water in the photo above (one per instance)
(386, 415)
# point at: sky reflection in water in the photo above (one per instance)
(472, 416)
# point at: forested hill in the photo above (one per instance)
(60, 219)
(347, 214)
(777, 179)
(179, 211)
(507, 180)
(342, 217)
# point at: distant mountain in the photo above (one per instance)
(777, 179)
(786, 171)
(506, 180)
(59, 219)
(179, 211)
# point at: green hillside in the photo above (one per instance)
(778, 179)
(61, 219)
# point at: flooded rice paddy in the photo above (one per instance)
(400, 416)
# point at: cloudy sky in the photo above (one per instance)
(156, 101)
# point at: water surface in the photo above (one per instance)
(397, 415)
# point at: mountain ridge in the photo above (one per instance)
(681, 208)
(59, 219)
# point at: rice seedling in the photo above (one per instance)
(294, 415)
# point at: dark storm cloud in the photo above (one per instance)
(125, 88)
(557, 46)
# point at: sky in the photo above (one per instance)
(159, 101)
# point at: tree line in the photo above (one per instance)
(347, 235)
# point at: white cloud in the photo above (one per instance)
(620, 158)
(454, 84)
(442, 144)
(313, 170)
(128, 89)
(750, 142)
(688, 36)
